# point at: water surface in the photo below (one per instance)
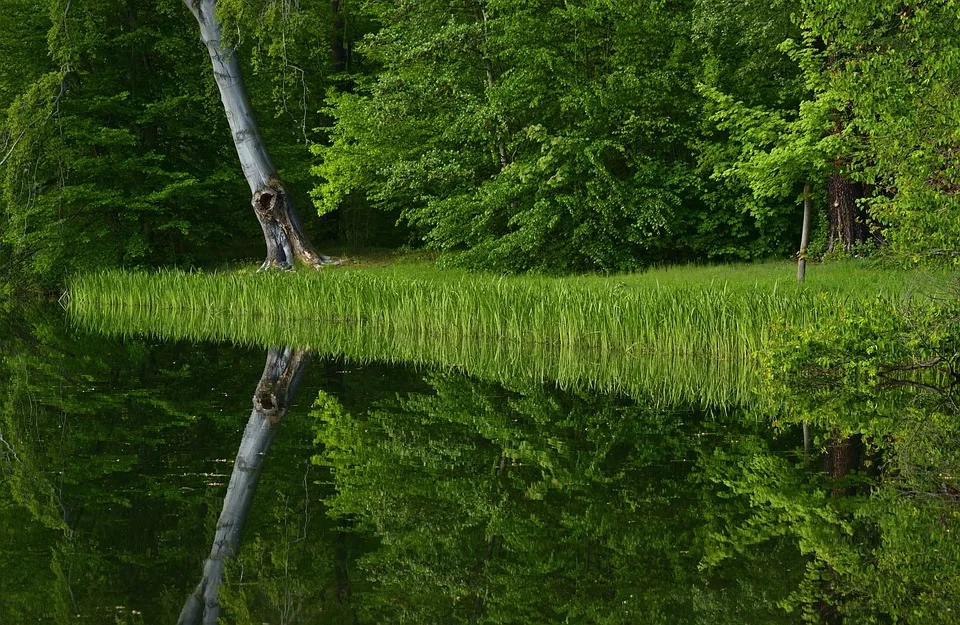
(376, 492)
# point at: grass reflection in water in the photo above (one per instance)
(683, 334)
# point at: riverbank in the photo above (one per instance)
(686, 331)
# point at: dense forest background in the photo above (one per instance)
(547, 135)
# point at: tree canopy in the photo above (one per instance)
(514, 136)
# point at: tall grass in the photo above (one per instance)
(681, 334)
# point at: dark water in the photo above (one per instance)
(386, 494)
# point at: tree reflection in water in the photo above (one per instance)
(271, 401)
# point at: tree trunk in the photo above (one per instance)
(278, 384)
(338, 39)
(282, 231)
(844, 455)
(491, 81)
(804, 235)
(847, 227)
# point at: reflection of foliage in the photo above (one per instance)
(864, 344)
(285, 570)
(108, 458)
(289, 568)
(878, 527)
(463, 500)
(881, 372)
(26, 564)
(528, 504)
(875, 557)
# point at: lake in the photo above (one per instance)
(150, 476)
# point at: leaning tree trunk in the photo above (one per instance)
(271, 401)
(282, 231)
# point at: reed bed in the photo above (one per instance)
(652, 335)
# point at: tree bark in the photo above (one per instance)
(847, 227)
(271, 401)
(282, 230)
(804, 235)
(844, 455)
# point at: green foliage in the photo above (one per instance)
(776, 150)
(498, 133)
(882, 372)
(751, 93)
(117, 146)
(519, 136)
(285, 48)
(523, 503)
(890, 68)
(108, 464)
(864, 347)
(881, 555)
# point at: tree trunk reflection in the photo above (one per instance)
(278, 385)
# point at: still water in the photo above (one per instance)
(161, 481)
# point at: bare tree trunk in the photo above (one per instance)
(282, 231)
(804, 235)
(271, 401)
(491, 81)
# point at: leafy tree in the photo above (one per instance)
(893, 65)
(109, 466)
(752, 92)
(528, 504)
(877, 519)
(273, 205)
(106, 156)
(116, 147)
(875, 128)
(500, 134)
(790, 133)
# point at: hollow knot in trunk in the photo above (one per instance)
(269, 204)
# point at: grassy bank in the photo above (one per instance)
(683, 332)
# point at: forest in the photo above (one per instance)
(604, 312)
(547, 136)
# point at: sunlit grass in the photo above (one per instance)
(677, 333)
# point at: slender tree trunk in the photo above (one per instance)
(282, 230)
(804, 235)
(338, 39)
(491, 81)
(278, 384)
